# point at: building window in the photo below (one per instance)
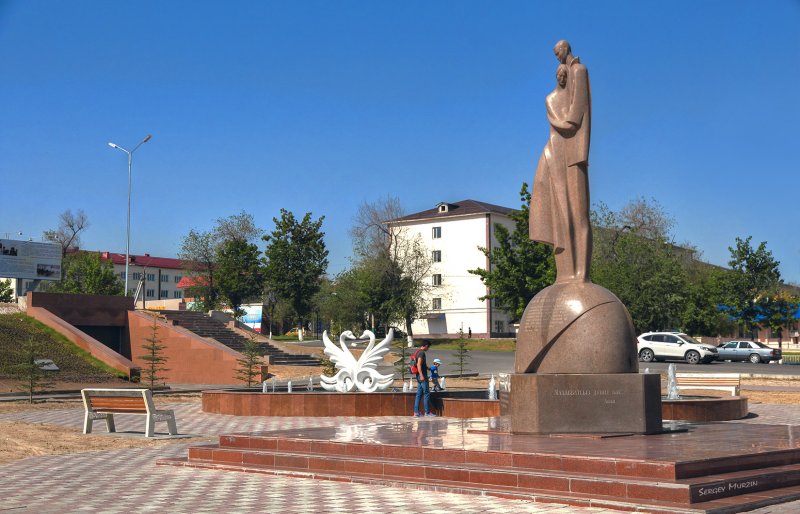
(499, 326)
(151, 277)
(136, 276)
(122, 275)
(165, 278)
(151, 293)
(177, 294)
(164, 294)
(437, 232)
(437, 279)
(436, 304)
(131, 292)
(177, 278)
(436, 256)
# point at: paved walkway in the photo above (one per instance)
(129, 481)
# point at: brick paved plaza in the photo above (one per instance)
(129, 481)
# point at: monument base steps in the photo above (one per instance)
(636, 473)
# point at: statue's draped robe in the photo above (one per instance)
(551, 218)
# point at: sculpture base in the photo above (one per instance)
(572, 403)
(576, 327)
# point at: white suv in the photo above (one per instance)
(674, 345)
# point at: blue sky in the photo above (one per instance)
(319, 106)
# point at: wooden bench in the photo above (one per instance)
(104, 403)
(720, 381)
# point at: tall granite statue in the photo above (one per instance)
(559, 213)
(575, 337)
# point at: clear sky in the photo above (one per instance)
(319, 106)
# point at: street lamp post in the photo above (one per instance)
(128, 239)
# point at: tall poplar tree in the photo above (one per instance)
(519, 268)
(295, 260)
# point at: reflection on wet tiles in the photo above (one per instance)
(699, 441)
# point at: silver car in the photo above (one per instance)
(747, 351)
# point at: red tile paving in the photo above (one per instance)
(682, 469)
(128, 480)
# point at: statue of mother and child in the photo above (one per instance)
(573, 326)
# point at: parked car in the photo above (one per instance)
(748, 351)
(654, 346)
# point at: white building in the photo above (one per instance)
(453, 232)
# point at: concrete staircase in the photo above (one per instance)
(207, 327)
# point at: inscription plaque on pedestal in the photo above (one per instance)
(578, 403)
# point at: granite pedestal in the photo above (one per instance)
(582, 403)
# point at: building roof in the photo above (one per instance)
(143, 260)
(462, 208)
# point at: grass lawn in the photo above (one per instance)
(478, 345)
(74, 363)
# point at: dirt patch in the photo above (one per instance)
(20, 406)
(774, 397)
(21, 440)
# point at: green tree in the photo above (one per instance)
(704, 292)
(462, 353)
(753, 279)
(295, 261)
(6, 291)
(634, 257)
(239, 274)
(518, 267)
(328, 367)
(199, 256)
(401, 364)
(779, 310)
(393, 268)
(339, 303)
(200, 252)
(154, 358)
(32, 378)
(250, 363)
(86, 273)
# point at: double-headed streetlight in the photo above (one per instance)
(128, 241)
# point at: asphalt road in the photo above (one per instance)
(486, 363)
(503, 362)
(726, 367)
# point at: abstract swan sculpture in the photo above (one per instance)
(357, 375)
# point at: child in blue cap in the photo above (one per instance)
(435, 374)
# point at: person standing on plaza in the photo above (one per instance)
(423, 388)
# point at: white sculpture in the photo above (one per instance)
(310, 386)
(361, 374)
(264, 387)
(289, 386)
(505, 381)
(442, 383)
